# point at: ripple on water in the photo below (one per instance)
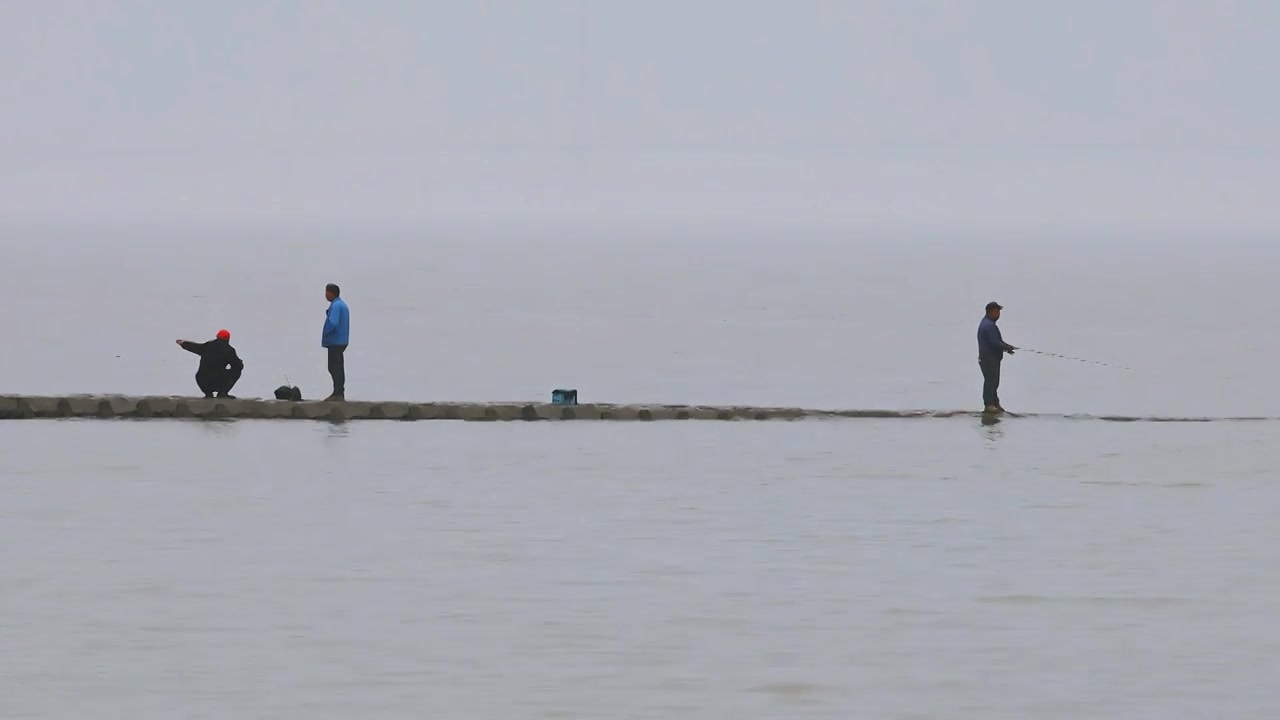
(1085, 600)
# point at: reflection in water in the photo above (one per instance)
(991, 427)
(216, 427)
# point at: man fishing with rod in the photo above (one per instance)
(991, 351)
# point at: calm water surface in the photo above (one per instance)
(1035, 568)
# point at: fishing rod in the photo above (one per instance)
(1069, 357)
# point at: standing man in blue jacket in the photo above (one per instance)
(991, 350)
(337, 331)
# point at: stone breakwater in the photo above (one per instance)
(18, 407)
(117, 406)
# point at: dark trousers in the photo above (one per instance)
(338, 369)
(990, 367)
(217, 382)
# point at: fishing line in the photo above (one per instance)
(1068, 357)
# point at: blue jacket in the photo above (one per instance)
(990, 342)
(337, 324)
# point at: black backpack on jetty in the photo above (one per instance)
(288, 392)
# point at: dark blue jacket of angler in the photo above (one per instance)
(337, 324)
(991, 344)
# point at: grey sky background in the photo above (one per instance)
(1157, 114)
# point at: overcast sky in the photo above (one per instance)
(1027, 112)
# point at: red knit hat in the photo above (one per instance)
(224, 335)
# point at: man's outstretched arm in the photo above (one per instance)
(197, 348)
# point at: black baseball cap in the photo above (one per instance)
(993, 305)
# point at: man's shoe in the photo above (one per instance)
(336, 397)
(994, 409)
(227, 396)
(208, 395)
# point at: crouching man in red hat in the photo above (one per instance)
(220, 366)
